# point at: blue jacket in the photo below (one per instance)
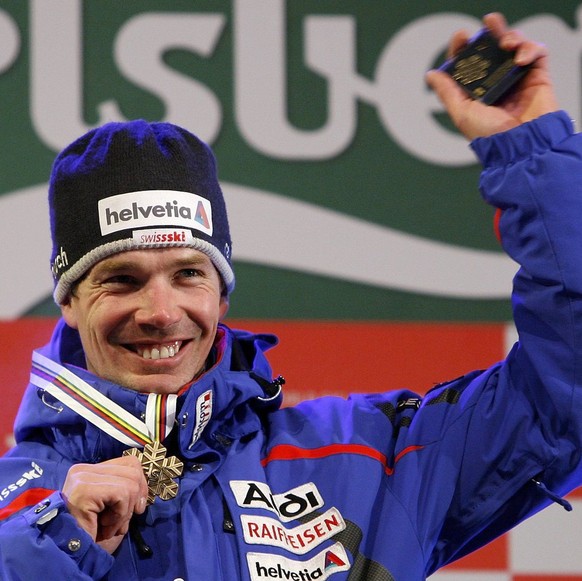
(376, 487)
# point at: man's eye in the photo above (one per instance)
(189, 273)
(120, 279)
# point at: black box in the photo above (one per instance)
(484, 70)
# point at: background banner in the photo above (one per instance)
(359, 236)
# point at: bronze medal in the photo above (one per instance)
(159, 470)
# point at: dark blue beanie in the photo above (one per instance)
(130, 186)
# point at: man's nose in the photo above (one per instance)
(157, 305)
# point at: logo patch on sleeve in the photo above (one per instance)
(27, 476)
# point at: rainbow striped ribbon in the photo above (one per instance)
(101, 411)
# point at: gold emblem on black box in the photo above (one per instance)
(472, 69)
(484, 70)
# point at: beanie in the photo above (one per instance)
(135, 185)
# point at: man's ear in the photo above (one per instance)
(69, 314)
(222, 307)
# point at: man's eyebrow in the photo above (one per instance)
(192, 261)
(114, 266)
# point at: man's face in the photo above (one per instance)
(148, 318)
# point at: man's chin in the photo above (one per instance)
(154, 384)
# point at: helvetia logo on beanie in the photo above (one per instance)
(154, 208)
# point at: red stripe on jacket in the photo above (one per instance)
(27, 499)
(290, 452)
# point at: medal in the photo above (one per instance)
(111, 418)
(159, 470)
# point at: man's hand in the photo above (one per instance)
(103, 498)
(533, 97)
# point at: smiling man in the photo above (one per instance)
(151, 444)
(141, 252)
(147, 319)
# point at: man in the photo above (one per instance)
(378, 487)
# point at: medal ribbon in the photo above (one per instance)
(101, 411)
(160, 415)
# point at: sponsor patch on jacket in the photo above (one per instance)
(289, 505)
(264, 530)
(263, 566)
(203, 414)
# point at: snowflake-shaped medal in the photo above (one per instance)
(159, 470)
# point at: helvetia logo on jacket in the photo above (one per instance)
(332, 560)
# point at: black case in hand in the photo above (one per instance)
(486, 71)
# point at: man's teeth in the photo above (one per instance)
(160, 351)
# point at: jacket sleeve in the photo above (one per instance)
(533, 174)
(41, 540)
(499, 445)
